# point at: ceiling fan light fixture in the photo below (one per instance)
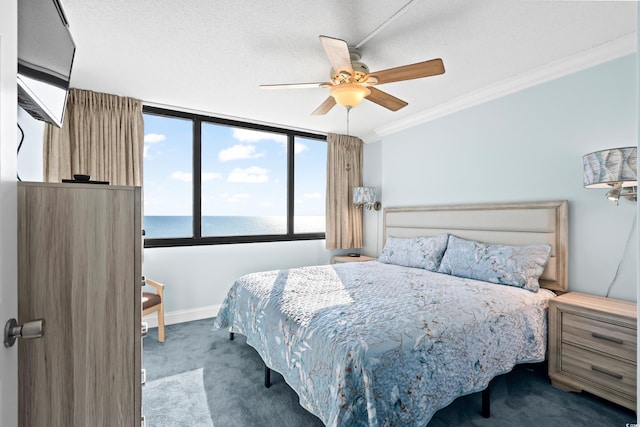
(349, 95)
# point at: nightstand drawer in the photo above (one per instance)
(611, 373)
(609, 338)
(592, 346)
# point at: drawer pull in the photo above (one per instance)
(607, 338)
(606, 372)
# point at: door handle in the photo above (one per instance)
(30, 330)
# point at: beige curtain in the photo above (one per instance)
(102, 136)
(344, 173)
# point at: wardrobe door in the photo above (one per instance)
(79, 269)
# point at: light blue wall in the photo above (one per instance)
(200, 276)
(30, 155)
(372, 177)
(527, 146)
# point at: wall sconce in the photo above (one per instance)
(615, 168)
(365, 197)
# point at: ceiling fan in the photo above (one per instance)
(351, 81)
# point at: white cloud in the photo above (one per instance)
(239, 151)
(253, 174)
(248, 135)
(151, 138)
(154, 137)
(299, 147)
(182, 176)
(210, 176)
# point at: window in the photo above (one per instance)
(310, 179)
(168, 165)
(214, 181)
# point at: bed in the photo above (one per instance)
(389, 342)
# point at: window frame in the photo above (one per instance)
(197, 238)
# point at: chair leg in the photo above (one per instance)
(161, 323)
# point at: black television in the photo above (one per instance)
(45, 58)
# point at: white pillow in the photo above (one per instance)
(419, 252)
(518, 266)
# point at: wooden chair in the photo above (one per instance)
(152, 302)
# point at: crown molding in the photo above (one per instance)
(615, 49)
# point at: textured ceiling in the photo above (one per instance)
(210, 56)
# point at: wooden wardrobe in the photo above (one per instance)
(79, 268)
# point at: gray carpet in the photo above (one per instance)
(188, 397)
(232, 378)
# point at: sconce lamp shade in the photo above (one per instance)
(349, 94)
(606, 168)
(364, 195)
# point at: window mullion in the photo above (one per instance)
(290, 182)
(197, 178)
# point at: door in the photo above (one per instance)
(78, 260)
(8, 207)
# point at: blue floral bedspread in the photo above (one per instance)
(375, 344)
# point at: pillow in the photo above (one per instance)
(519, 266)
(420, 252)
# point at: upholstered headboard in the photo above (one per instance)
(522, 223)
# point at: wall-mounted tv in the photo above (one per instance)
(45, 58)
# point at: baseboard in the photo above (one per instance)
(182, 316)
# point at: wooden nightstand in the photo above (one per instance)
(592, 346)
(337, 259)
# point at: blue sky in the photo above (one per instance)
(243, 171)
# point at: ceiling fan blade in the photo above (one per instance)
(295, 85)
(338, 54)
(325, 106)
(432, 67)
(384, 99)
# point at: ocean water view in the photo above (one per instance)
(215, 226)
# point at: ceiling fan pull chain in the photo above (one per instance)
(348, 111)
